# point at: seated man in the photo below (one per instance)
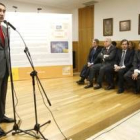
(123, 62)
(93, 53)
(2, 133)
(133, 75)
(106, 57)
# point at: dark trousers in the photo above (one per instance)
(120, 75)
(99, 69)
(3, 91)
(85, 72)
(93, 71)
(134, 83)
(110, 75)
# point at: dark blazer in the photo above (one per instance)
(136, 62)
(4, 54)
(111, 52)
(93, 58)
(128, 58)
(4, 71)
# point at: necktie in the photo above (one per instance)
(2, 36)
(122, 59)
(107, 50)
(92, 54)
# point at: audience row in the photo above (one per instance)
(109, 62)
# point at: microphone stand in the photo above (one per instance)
(16, 125)
(33, 74)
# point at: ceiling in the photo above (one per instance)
(64, 4)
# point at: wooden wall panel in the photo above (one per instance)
(82, 52)
(84, 46)
(85, 34)
(118, 43)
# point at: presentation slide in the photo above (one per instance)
(48, 37)
(49, 41)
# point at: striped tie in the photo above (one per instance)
(122, 59)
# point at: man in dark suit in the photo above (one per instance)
(4, 68)
(91, 61)
(106, 56)
(133, 75)
(123, 63)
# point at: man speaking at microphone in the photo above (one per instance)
(4, 71)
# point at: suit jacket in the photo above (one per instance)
(4, 54)
(93, 58)
(136, 62)
(111, 55)
(128, 58)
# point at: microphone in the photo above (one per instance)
(8, 23)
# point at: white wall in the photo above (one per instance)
(26, 7)
(75, 25)
(119, 10)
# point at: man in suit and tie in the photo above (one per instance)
(4, 68)
(133, 75)
(123, 63)
(106, 56)
(91, 61)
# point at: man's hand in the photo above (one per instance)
(117, 68)
(135, 76)
(89, 64)
(105, 56)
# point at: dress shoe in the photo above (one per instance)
(88, 86)
(77, 81)
(2, 133)
(110, 87)
(120, 91)
(98, 86)
(7, 120)
(80, 82)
